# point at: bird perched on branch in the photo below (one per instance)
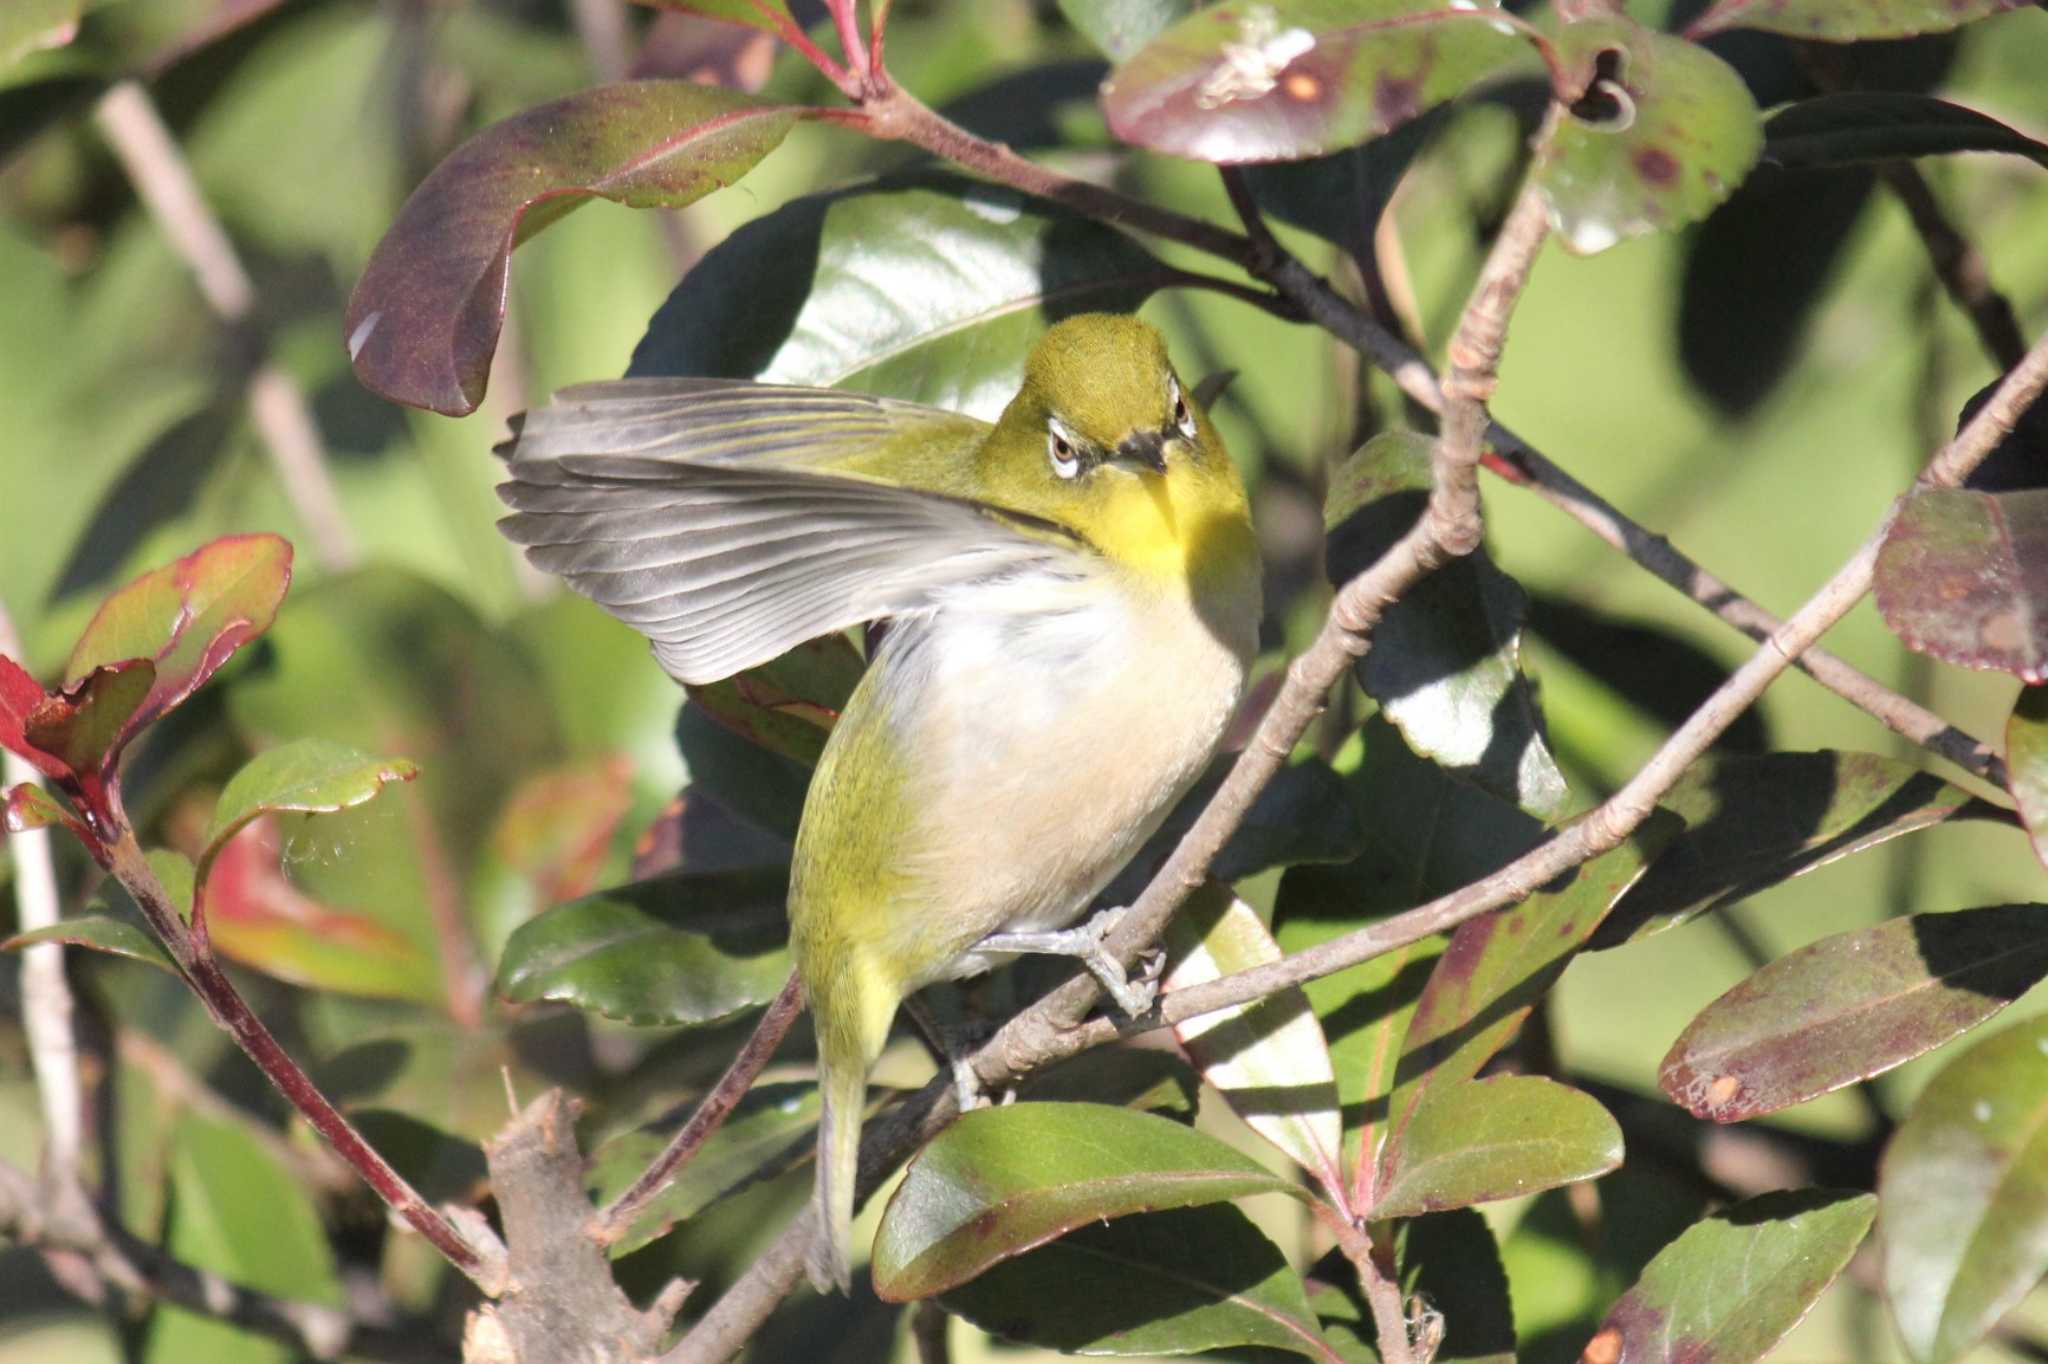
(1073, 595)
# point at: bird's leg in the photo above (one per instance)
(1084, 943)
(950, 1045)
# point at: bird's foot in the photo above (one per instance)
(1133, 994)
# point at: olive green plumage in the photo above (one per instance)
(1073, 595)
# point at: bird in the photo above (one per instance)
(1071, 597)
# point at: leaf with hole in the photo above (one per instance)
(423, 321)
(1661, 132)
(1853, 1006)
(1964, 1192)
(1001, 1181)
(1962, 575)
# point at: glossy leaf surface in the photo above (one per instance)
(2026, 764)
(1962, 574)
(1485, 1140)
(1663, 132)
(1731, 1286)
(1851, 126)
(1841, 21)
(423, 322)
(1964, 1188)
(308, 776)
(1002, 1180)
(1298, 78)
(951, 281)
(1445, 664)
(1853, 1006)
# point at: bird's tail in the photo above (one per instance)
(852, 1017)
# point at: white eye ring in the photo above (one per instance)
(1066, 460)
(1183, 417)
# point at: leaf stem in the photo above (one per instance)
(1382, 1292)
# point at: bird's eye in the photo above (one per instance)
(1183, 419)
(1066, 461)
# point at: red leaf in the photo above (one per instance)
(20, 697)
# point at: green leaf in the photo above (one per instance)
(1485, 1140)
(768, 1122)
(1755, 820)
(1848, 127)
(1961, 574)
(29, 806)
(789, 705)
(1165, 1283)
(748, 12)
(1498, 965)
(1842, 21)
(423, 321)
(1445, 664)
(306, 776)
(1146, 1078)
(1002, 1180)
(36, 25)
(2026, 764)
(1853, 1006)
(1964, 1188)
(1268, 1060)
(555, 840)
(676, 949)
(952, 281)
(1298, 78)
(101, 934)
(85, 725)
(1121, 27)
(1663, 131)
(1731, 1286)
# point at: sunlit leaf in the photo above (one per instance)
(1842, 21)
(1850, 126)
(307, 776)
(1733, 1285)
(1961, 575)
(1000, 1181)
(1852, 1006)
(36, 25)
(2026, 764)
(1663, 131)
(1164, 1283)
(1268, 1059)
(1964, 1189)
(677, 949)
(99, 933)
(1485, 1140)
(1297, 78)
(1445, 664)
(952, 280)
(423, 322)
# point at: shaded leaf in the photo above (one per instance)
(768, 1121)
(1002, 1180)
(1964, 1189)
(677, 949)
(1662, 132)
(1303, 815)
(307, 776)
(789, 705)
(1853, 1006)
(1267, 1059)
(1841, 21)
(1484, 1140)
(1340, 197)
(1731, 1286)
(440, 1165)
(1445, 664)
(423, 321)
(762, 787)
(2026, 764)
(1185, 1280)
(84, 726)
(1447, 1265)
(1298, 78)
(1850, 126)
(1153, 1079)
(952, 281)
(1753, 821)
(101, 934)
(1121, 27)
(1961, 575)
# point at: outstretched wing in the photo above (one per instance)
(729, 522)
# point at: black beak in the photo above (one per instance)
(1146, 448)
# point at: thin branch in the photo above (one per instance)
(710, 1113)
(1382, 1293)
(1958, 265)
(46, 1005)
(163, 179)
(144, 1272)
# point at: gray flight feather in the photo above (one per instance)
(706, 514)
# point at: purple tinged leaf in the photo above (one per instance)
(1853, 1006)
(84, 725)
(1843, 21)
(1485, 1140)
(1661, 132)
(1297, 78)
(787, 706)
(1001, 1181)
(1731, 1286)
(1962, 574)
(1964, 1192)
(2026, 764)
(1268, 1059)
(423, 322)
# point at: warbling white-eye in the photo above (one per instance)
(1073, 595)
